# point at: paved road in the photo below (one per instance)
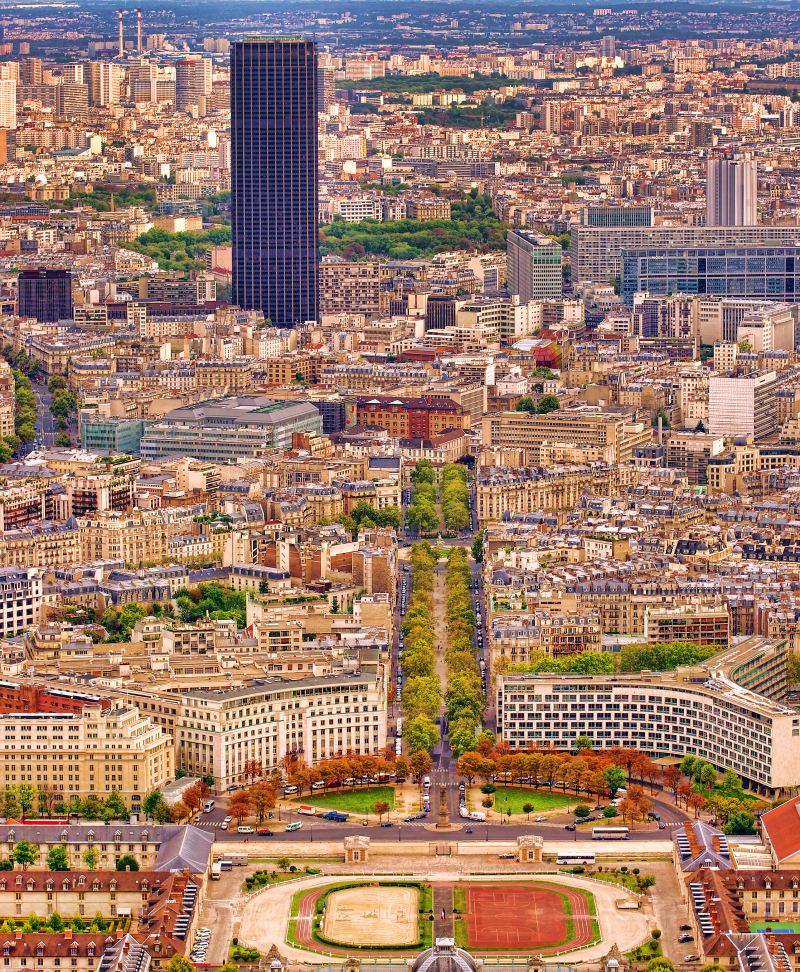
(46, 427)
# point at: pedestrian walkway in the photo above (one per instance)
(443, 911)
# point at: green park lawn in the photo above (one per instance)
(350, 800)
(511, 799)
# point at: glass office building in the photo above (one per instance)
(765, 272)
(274, 191)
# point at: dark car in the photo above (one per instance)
(686, 927)
(408, 819)
(468, 830)
(387, 823)
(662, 825)
(265, 833)
(569, 827)
(686, 937)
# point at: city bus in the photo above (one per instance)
(208, 806)
(610, 833)
(584, 857)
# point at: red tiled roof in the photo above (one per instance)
(782, 826)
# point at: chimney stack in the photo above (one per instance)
(121, 34)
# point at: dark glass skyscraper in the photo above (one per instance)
(274, 201)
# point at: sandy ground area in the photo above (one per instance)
(265, 917)
(372, 916)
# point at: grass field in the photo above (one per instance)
(350, 801)
(511, 799)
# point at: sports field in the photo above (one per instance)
(372, 915)
(520, 917)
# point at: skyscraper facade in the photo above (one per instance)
(45, 295)
(274, 181)
(193, 77)
(534, 266)
(731, 192)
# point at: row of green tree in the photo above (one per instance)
(26, 854)
(24, 417)
(363, 516)
(180, 251)
(24, 800)
(464, 699)
(455, 497)
(422, 83)
(421, 696)
(472, 226)
(658, 656)
(421, 514)
(540, 406)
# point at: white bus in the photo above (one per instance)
(610, 833)
(208, 806)
(576, 858)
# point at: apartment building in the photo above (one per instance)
(93, 752)
(515, 491)
(702, 623)
(583, 425)
(516, 638)
(350, 288)
(703, 710)
(44, 545)
(20, 599)
(217, 732)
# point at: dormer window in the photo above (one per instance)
(90, 836)
(64, 836)
(81, 880)
(65, 885)
(117, 836)
(90, 949)
(50, 885)
(40, 948)
(73, 949)
(95, 885)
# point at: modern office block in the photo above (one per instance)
(767, 272)
(731, 192)
(617, 216)
(274, 201)
(743, 404)
(45, 295)
(225, 429)
(596, 251)
(534, 266)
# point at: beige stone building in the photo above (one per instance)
(93, 752)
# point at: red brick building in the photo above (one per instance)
(409, 418)
(35, 698)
